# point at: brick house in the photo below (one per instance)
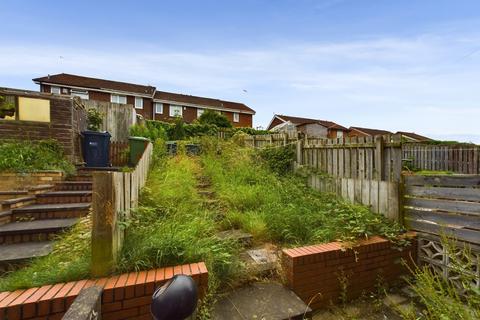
(148, 102)
(310, 127)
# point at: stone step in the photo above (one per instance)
(64, 197)
(206, 193)
(74, 186)
(40, 189)
(51, 211)
(203, 185)
(38, 230)
(7, 195)
(243, 238)
(20, 252)
(5, 217)
(17, 202)
(260, 261)
(81, 177)
(269, 301)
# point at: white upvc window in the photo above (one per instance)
(200, 111)
(115, 98)
(65, 90)
(158, 107)
(236, 117)
(55, 90)
(176, 111)
(339, 134)
(82, 94)
(138, 103)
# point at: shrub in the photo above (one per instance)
(214, 118)
(94, 119)
(148, 131)
(278, 159)
(26, 156)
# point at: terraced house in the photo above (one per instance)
(147, 100)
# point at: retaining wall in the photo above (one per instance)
(319, 274)
(20, 181)
(126, 296)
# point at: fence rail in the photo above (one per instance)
(118, 153)
(114, 195)
(456, 158)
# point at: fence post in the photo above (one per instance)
(300, 152)
(285, 138)
(104, 251)
(379, 162)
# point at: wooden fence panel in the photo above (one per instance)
(444, 204)
(119, 153)
(456, 158)
(114, 195)
(381, 196)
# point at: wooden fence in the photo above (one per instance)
(117, 118)
(114, 195)
(357, 157)
(455, 158)
(275, 139)
(380, 196)
(119, 153)
(444, 203)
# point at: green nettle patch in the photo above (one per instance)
(27, 156)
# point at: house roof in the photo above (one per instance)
(301, 121)
(201, 101)
(94, 83)
(414, 136)
(371, 132)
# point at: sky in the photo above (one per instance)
(398, 65)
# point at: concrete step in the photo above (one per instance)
(17, 202)
(20, 252)
(40, 189)
(74, 186)
(243, 238)
(81, 177)
(64, 197)
(260, 261)
(268, 301)
(38, 230)
(13, 194)
(51, 211)
(5, 216)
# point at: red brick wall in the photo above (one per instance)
(126, 296)
(313, 272)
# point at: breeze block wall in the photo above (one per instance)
(125, 296)
(319, 274)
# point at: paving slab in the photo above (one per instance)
(260, 260)
(20, 251)
(261, 301)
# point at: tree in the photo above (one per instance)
(215, 118)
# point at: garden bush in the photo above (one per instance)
(28, 156)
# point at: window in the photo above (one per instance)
(236, 117)
(199, 112)
(30, 109)
(55, 90)
(82, 94)
(138, 103)
(158, 107)
(339, 134)
(65, 90)
(115, 98)
(176, 111)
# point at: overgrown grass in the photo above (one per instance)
(172, 227)
(69, 261)
(26, 156)
(282, 209)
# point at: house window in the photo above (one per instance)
(115, 98)
(158, 107)
(65, 90)
(82, 94)
(138, 103)
(55, 90)
(199, 112)
(30, 109)
(176, 111)
(339, 134)
(236, 117)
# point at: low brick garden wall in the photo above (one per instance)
(19, 181)
(319, 274)
(126, 296)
